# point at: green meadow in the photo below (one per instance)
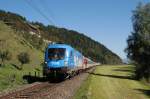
(113, 82)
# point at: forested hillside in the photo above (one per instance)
(37, 34)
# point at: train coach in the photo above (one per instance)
(62, 59)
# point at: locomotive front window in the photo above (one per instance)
(56, 53)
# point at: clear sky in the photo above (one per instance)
(106, 21)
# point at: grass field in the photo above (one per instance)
(113, 82)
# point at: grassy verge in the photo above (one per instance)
(112, 82)
(10, 77)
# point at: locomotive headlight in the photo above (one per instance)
(45, 62)
(65, 63)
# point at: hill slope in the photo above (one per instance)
(84, 44)
(10, 75)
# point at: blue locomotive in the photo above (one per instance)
(62, 59)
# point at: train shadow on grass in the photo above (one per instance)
(112, 76)
(31, 79)
(124, 70)
(129, 70)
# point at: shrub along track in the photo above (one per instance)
(47, 90)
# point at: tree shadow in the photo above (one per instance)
(113, 76)
(31, 79)
(144, 91)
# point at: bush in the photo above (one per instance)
(23, 58)
(4, 52)
(4, 55)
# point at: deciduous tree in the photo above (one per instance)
(138, 48)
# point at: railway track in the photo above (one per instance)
(47, 90)
(29, 92)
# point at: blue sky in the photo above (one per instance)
(106, 21)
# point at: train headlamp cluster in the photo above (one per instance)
(65, 63)
(45, 62)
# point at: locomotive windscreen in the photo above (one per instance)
(56, 53)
